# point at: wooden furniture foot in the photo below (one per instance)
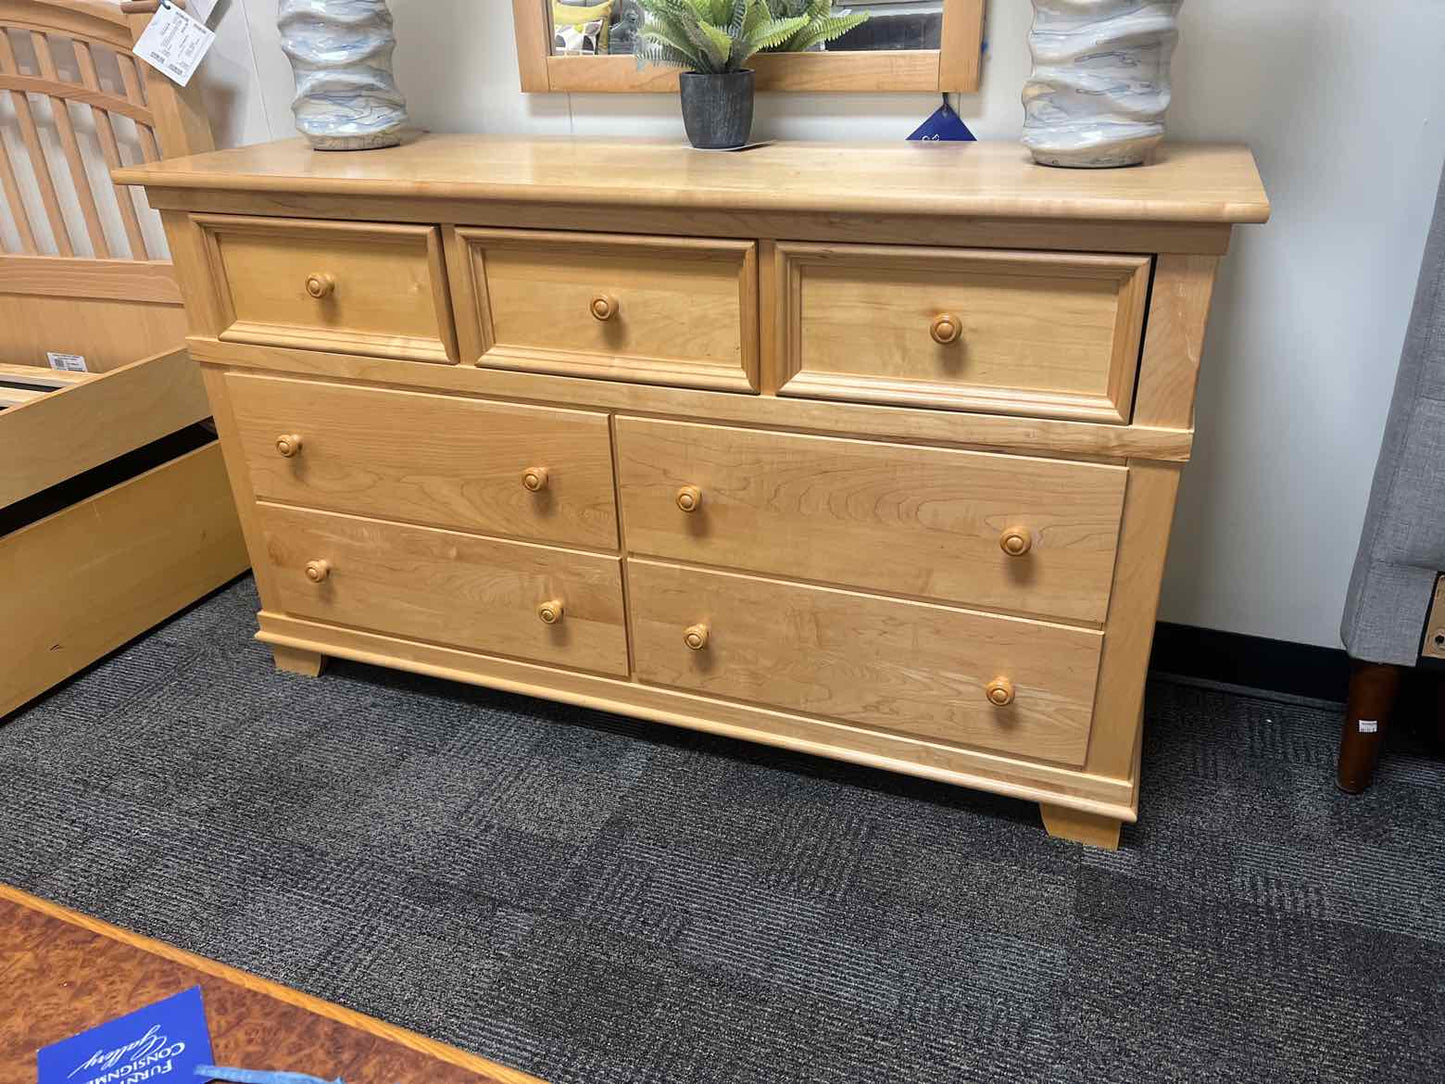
(1373, 688)
(295, 660)
(1087, 828)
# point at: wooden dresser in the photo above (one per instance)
(868, 451)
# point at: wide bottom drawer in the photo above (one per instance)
(954, 676)
(505, 598)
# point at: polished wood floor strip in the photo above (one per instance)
(64, 972)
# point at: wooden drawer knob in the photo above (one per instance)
(288, 444)
(550, 611)
(318, 571)
(321, 284)
(689, 498)
(1016, 541)
(945, 328)
(603, 307)
(1000, 692)
(695, 637)
(534, 479)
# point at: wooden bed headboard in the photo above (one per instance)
(83, 268)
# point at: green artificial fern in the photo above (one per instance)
(712, 36)
(822, 24)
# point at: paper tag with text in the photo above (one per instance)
(165, 1040)
(174, 43)
(70, 363)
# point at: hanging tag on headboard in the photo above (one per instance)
(173, 43)
(943, 124)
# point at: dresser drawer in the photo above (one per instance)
(1046, 334)
(349, 287)
(908, 667)
(495, 468)
(659, 310)
(504, 598)
(928, 522)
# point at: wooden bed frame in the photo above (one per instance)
(115, 511)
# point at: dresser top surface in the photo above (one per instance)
(1208, 183)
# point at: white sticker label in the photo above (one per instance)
(201, 9)
(71, 363)
(1369, 726)
(174, 43)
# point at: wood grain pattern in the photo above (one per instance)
(389, 295)
(1129, 629)
(911, 521)
(1178, 312)
(953, 408)
(1014, 776)
(429, 459)
(448, 588)
(1034, 436)
(95, 420)
(107, 333)
(85, 580)
(66, 972)
(681, 310)
(149, 281)
(1034, 333)
(896, 226)
(906, 667)
(1202, 183)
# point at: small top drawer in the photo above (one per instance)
(494, 468)
(351, 287)
(1048, 334)
(657, 310)
(999, 531)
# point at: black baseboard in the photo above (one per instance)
(1253, 662)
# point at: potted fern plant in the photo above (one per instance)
(714, 40)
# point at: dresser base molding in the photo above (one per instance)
(1103, 798)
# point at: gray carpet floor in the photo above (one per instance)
(594, 899)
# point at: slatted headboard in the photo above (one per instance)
(84, 269)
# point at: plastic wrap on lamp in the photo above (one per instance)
(340, 52)
(1100, 83)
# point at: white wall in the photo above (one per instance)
(1344, 105)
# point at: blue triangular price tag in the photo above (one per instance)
(943, 124)
(163, 1041)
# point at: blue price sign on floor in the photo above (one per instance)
(164, 1041)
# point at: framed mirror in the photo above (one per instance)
(904, 45)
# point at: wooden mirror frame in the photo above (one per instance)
(952, 67)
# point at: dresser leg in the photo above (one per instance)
(1088, 828)
(295, 660)
(1373, 687)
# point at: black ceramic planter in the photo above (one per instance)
(717, 110)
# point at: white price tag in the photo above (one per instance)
(71, 363)
(1369, 726)
(174, 43)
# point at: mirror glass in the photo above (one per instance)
(606, 27)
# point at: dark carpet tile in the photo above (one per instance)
(592, 898)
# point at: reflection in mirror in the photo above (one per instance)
(600, 27)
